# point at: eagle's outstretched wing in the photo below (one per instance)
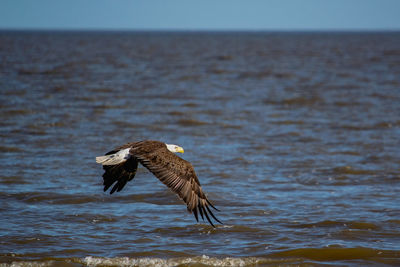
(176, 173)
(120, 173)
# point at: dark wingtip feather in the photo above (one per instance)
(195, 214)
(208, 218)
(201, 211)
(115, 187)
(209, 203)
(215, 218)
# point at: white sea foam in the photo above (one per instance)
(158, 262)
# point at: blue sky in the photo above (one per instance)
(201, 14)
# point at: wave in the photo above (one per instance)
(305, 256)
(191, 261)
(202, 261)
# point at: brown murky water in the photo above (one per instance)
(294, 136)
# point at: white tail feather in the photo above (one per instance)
(113, 159)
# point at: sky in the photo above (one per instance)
(255, 15)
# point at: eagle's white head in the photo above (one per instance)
(175, 148)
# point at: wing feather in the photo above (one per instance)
(119, 174)
(176, 173)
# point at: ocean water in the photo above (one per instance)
(295, 137)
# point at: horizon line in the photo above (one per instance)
(44, 29)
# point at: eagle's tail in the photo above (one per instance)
(115, 158)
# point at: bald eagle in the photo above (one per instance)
(120, 166)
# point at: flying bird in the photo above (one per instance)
(120, 166)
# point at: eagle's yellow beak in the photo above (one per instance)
(180, 150)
